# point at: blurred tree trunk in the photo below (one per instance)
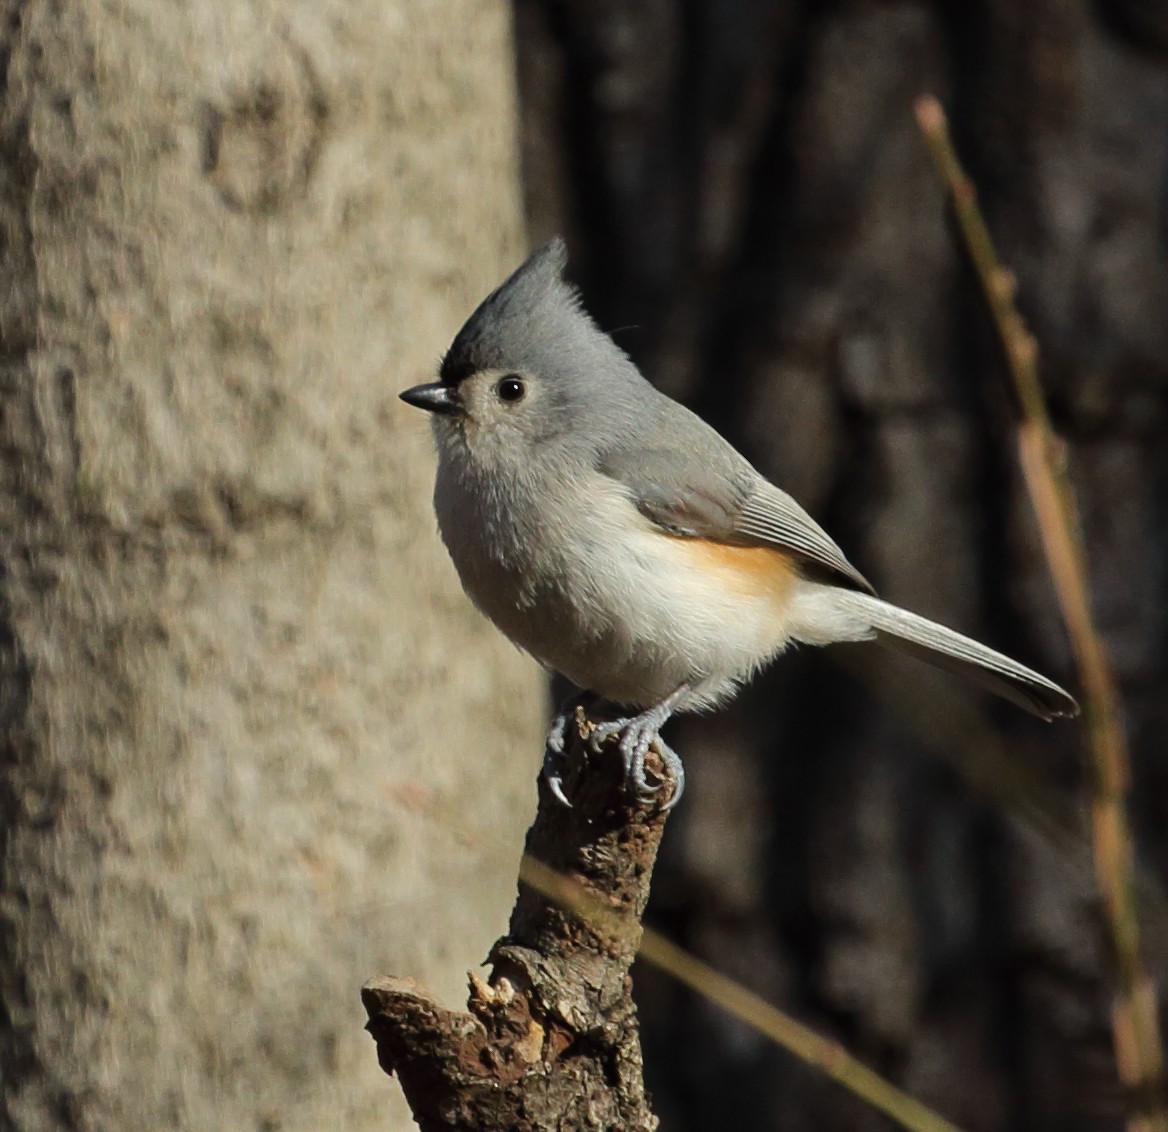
(747, 196)
(237, 678)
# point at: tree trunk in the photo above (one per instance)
(237, 677)
(747, 195)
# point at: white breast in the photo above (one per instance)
(575, 575)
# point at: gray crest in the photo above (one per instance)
(534, 322)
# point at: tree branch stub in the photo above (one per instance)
(550, 1040)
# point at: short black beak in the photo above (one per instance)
(434, 398)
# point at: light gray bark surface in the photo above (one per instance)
(256, 747)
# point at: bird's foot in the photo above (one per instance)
(557, 743)
(636, 735)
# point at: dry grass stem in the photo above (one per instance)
(824, 1054)
(1137, 1040)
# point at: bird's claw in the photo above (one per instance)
(636, 736)
(554, 748)
(555, 784)
(675, 769)
(557, 736)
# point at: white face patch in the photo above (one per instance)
(499, 401)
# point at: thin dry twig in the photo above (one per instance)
(1138, 1045)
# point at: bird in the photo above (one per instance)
(619, 539)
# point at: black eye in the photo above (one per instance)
(511, 388)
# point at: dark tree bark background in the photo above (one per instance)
(746, 195)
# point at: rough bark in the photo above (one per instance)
(551, 1040)
(234, 661)
(747, 197)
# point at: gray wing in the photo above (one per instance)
(771, 516)
(724, 499)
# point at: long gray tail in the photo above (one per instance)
(917, 636)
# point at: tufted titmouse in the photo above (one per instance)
(621, 541)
